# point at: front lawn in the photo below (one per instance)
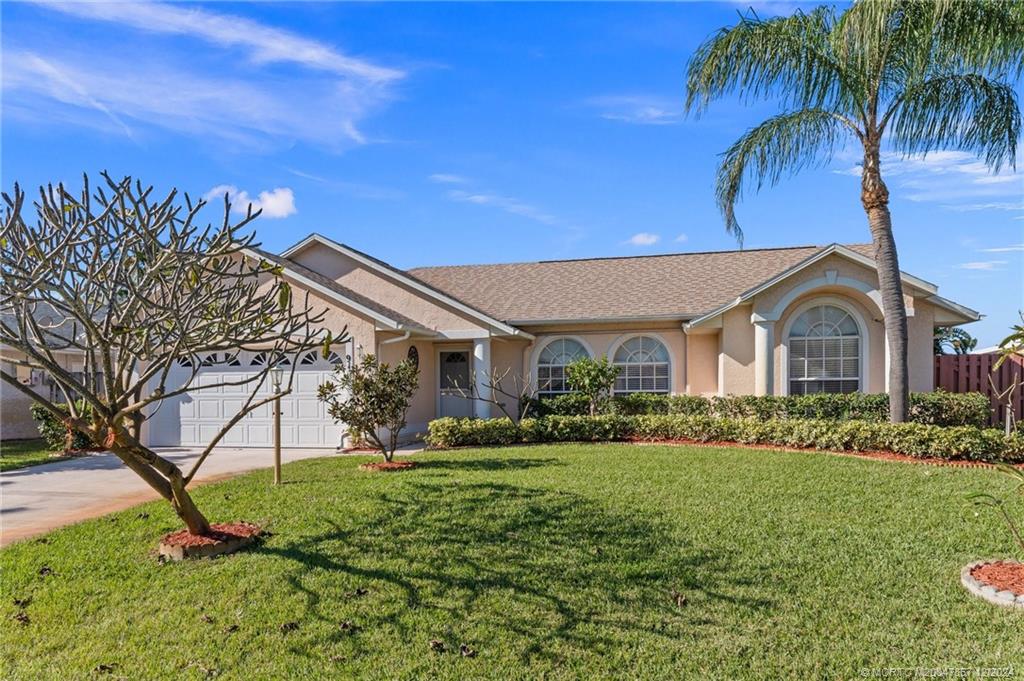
(568, 561)
(20, 453)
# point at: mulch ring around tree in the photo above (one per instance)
(223, 538)
(387, 466)
(996, 581)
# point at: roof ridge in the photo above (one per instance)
(630, 257)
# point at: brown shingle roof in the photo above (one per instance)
(681, 285)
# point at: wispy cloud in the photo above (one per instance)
(1003, 249)
(200, 88)
(263, 44)
(447, 178)
(357, 190)
(275, 203)
(682, 238)
(957, 180)
(505, 203)
(643, 239)
(984, 265)
(638, 109)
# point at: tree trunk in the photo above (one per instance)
(186, 509)
(875, 198)
(170, 487)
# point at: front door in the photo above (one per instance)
(455, 395)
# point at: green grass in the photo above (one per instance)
(21, 453)
(550, 561)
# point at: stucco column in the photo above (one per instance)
(482, 376)
(764, 357)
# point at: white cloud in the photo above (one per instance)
(358, 190)
(1004, 249)
(276, 203)
(643, 239)
(447, 178)
(285, 89)
(682, 238)
(985, 265)
(958, 180)
(638, 109)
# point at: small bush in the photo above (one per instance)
(912, 439)
(55, 433)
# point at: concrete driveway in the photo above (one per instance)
(40, 498)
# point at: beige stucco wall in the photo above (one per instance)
(921, 358)
(422, 408)
(384, 290)
(737, 337)
(16, 422)
(702, 364)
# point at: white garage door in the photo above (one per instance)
(194, 418)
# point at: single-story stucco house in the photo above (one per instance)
(760, 321)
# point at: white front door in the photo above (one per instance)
(454, 381)
(194, 418)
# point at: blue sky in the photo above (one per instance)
(462, 133)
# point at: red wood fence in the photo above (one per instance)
(970, 373)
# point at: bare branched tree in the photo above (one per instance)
(138, 289)
(504, 387)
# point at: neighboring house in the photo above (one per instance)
(761, 321)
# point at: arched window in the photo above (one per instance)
(643, 366)
(824, 352)
(551, 364)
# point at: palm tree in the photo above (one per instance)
(913, 77)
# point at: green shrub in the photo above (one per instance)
(55, 433)
(912, 439)
(569, 404)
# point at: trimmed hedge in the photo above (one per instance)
(912, 439)
(937, 408)
(55, 433)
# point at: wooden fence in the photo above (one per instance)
(970, 373)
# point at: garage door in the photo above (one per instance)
(194, 418)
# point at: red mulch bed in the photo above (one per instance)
(387, 466)
(220, 532)
(1002, 575)
(878, 455)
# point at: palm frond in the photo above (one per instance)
(787, 57)
(967, 112)
(782, 145)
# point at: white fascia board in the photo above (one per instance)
(601, 320)
(966, 313)
(408, 281)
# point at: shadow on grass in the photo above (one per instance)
(509, 464)
(544, 570)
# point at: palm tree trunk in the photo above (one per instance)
(875, 198)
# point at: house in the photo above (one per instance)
(760, 321)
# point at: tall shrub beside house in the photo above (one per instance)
(135, 285)
(372, 399)
(884, 75)
(592, 378)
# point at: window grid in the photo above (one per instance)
(551, 364)
(643, 366)
(824, 352)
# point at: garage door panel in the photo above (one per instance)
(196, 417)
(209, 408)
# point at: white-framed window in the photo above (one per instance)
(824, 352)
(551, 364)
(644, 366)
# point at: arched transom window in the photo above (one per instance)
(551, 364)
(643, 366)
(824, 352)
